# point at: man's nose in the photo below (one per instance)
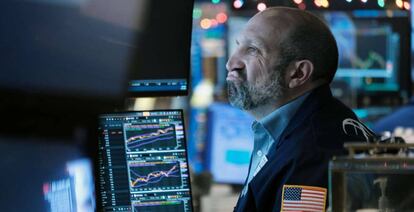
(234, 64)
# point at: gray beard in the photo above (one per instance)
(248, 97)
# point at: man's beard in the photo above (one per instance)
(247, 96)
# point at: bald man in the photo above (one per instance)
(280, 73)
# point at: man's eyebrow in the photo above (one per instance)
(257, 43)
(249, 41)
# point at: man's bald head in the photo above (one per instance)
(281, 54)
(301, 35)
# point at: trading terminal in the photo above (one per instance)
(122, 105)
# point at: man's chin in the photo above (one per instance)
(239, 102)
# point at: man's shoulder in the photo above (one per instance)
(325, 123)
(332, 124)
(332, 112)
(322, 109)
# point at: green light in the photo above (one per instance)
(381, 3)
(197, 13)
(215, 1)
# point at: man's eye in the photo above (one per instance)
(252, 50)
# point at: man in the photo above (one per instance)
(280, 73)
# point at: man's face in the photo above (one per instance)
(255, 70)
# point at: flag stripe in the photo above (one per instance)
(305, 202)
(312, 191)
(305, 206)
(302, 209)
(312, 195)
(313, 199)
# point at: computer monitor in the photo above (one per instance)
(143, 162)
(83, 53)
(67, 48)
(161, 64)
(229, 143)
(41, 174)
(374, 52)
(371, 52)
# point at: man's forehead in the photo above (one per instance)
(261, 32)
(248, 37)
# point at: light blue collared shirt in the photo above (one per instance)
(268, 130)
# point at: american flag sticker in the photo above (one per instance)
(303, 198)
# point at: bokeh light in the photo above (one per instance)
(221, 17)
(238, 4)
(261, 6)
(205, 23)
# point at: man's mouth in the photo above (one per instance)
(234, 77)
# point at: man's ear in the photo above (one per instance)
(301, 73)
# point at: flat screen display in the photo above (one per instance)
(161, 64)
(95, 48)
(68, 48)
(143, 162)
(229, 143)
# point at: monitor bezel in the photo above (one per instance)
(98, 190)
(187, 76)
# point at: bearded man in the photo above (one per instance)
(280, 73)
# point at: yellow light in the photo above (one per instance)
(298, 1)
(261, 6)
(399, 3)
(325, 3)
(318, 3)
(205, 23)
(407, 5)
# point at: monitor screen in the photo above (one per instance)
(229, 143)
(68, 47)
(45, 175)
(143, 162)
(161, 64)
(91, 48)
(368, 52)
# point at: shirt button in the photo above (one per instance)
(259, 153)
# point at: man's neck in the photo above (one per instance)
(263, 110)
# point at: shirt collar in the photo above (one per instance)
(276, 122)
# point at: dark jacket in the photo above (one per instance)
(300, 156)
